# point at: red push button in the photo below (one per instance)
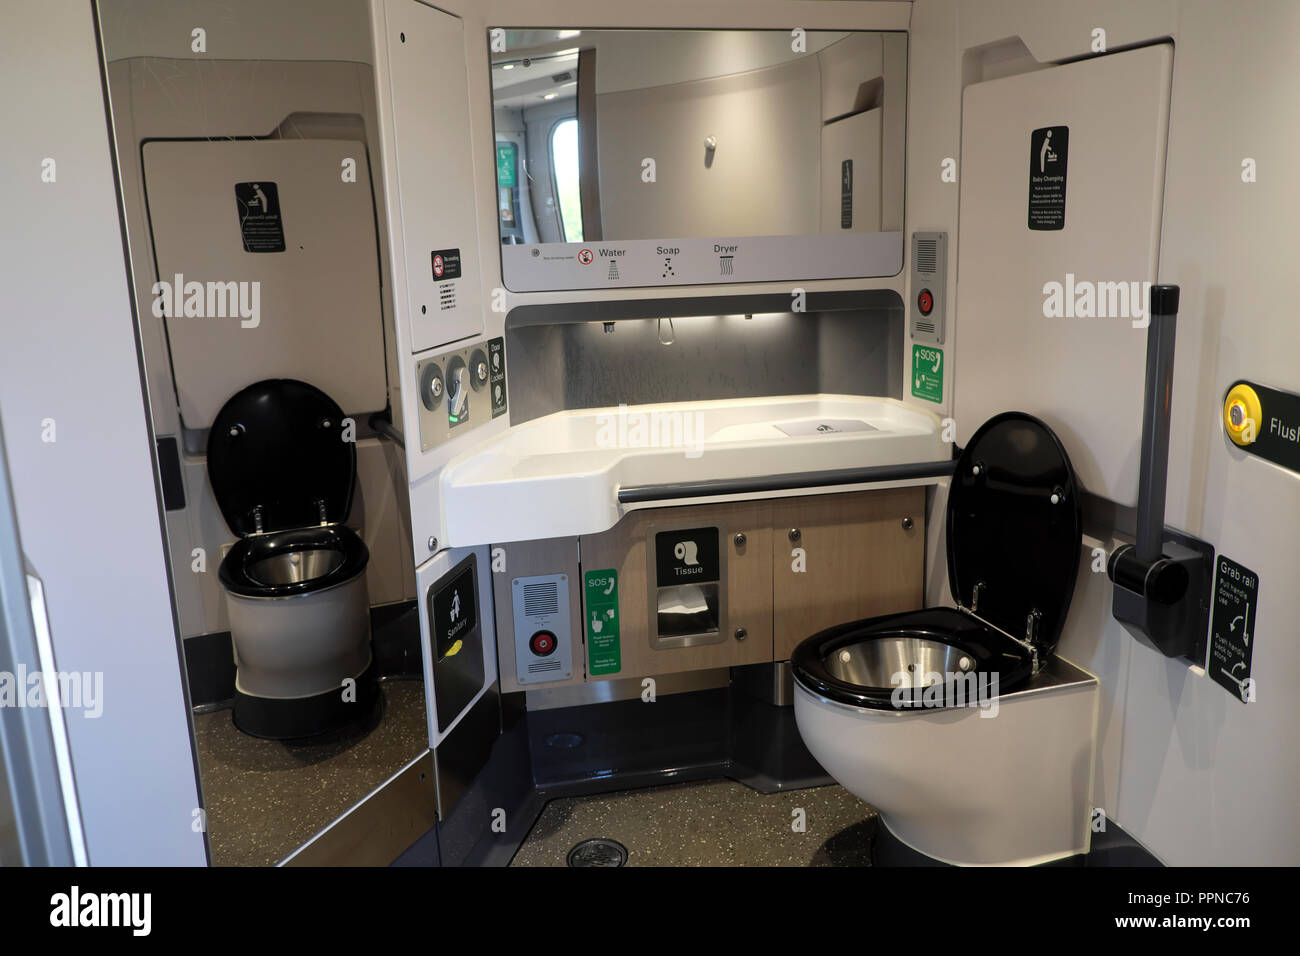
(925, 302)
(542, 643)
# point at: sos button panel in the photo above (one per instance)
(543, 629)
(1263, 421)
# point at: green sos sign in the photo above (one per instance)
(506, 164)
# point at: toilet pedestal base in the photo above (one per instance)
(969, 786)
(297, 717)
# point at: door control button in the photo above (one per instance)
(431, 386)
(478, 365)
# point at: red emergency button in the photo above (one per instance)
(542, 643)
(925, 302)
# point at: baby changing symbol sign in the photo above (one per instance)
(1232, 628)
(260, 225)
(1048, 168)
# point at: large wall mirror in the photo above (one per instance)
(678, 157)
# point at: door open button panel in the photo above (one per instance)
(543, 638)
(460, 390)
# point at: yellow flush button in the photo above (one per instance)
(454, 649)
(1242, 414)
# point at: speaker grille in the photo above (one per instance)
(927, 253)
(541, 599)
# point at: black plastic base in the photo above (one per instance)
(299, 717)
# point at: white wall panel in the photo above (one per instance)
(434, 172)
(87, 502)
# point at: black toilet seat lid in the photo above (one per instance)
(1015, 527)
(278, 445)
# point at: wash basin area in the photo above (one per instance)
(562, 473)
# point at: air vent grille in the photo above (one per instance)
(927, 255)
(541, 599)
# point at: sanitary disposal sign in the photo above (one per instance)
(600, 588)
(260, 225)
(1049, 150)
(1232, 628)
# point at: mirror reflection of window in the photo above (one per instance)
(564, 163)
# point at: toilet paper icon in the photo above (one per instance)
(685, 552)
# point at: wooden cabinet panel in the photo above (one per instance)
(746, 576)
(858, 560)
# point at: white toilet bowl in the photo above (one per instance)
(959, 725)
(964, 788)
(295, 645)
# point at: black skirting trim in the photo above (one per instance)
(298, 717)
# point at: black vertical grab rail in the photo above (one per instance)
(1162, 584)
(1153, 471)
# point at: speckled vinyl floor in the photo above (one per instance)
(265, 798)
(710, 823)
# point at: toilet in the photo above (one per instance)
(961, 725)
(295, 586)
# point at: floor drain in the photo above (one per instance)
(598, 852)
